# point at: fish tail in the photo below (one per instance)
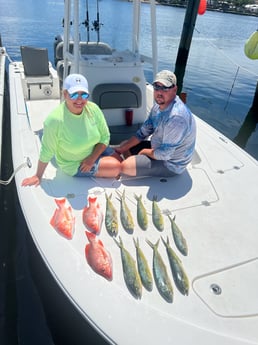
(137, 197)
(108, 197)
(172, 220)
(90, 235)
(153, 246)
(155, 197)
(120, 243)
(136, 242)
(119, 196)
(92, 198)
(166, 244)
(60, 202)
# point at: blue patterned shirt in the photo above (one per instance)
(172, 132)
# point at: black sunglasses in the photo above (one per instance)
(157, 87)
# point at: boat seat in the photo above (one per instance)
(36, 67)
(35, 61)
(86, 48)
(119, 95)
(95, 48)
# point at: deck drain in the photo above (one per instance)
(216, 289)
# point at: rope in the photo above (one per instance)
(25, 164)
(232, 61)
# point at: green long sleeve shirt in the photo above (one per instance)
(71, 138)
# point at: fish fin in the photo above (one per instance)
(52, 220)
(100, 243)
(87, 254)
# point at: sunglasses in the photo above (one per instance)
(76, 95)
(157, 87)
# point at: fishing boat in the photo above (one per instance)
(2, 83)
(212, 204)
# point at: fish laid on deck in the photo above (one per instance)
(92, 215)
(157, 216)
(125, 215)
(130, 272)
(143, 267)
(111, 220)
(142, 217)
(161, 277)
(98, 257)
(178, 272)
(63, 220)
(179, 239)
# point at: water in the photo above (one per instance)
(220, 83)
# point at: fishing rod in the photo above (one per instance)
(87, 21)
(96, 24)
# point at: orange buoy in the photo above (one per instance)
(202, 7)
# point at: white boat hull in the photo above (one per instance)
(214, 202)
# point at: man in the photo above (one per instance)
(164, 144)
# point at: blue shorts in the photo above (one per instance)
(108, 152)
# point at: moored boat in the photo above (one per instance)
(214, 203)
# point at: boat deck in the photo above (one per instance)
(210, 200)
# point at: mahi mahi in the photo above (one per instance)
(111, 220)
(161, 277)
(179, 239)
(125, 215)
(131, 275)
(178, 272)
(142, 217)
(143, 267)
(157, 216)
